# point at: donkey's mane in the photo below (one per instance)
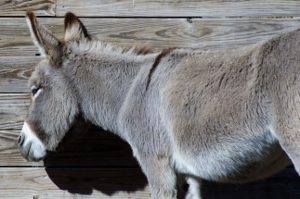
(96, 47)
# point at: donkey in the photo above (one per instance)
(188, 114)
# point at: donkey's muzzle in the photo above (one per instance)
(31, 148)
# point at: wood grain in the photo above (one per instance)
(15, 38)
(13, 108)
(180, 8)
(19, 7)
(18, 54)
(51, 183)
(14, 73)
(159, 33)
(122, 183)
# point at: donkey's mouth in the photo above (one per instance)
(35, 159)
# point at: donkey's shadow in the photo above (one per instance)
(98, 161)
(102, 161)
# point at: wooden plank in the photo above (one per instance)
(43, 183)
(18, 8)
(181, 8)
(18, 54)
(193, 33)
(159, 33)
(128, 183)
(15, 71)
(13, 108)
(15, 38)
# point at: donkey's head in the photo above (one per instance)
(54, 114)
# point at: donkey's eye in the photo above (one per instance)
(34, 90)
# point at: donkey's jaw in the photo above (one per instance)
(30, 146)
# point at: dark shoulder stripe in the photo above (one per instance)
(163, 53)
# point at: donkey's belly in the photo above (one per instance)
(260, 170)
(233, 166)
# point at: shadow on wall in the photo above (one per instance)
(284, 185)
(102, 161)
(98, 161)
(107, 181)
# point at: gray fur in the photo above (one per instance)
(225, 116)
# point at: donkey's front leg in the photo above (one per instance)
(160, 175)
(194, 186)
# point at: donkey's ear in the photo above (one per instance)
(74, 29)
(43, 39)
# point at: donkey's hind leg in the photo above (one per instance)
(286, 127)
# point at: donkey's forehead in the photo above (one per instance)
(41, 70)
(42, 66)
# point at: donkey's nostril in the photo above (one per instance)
(21, 140)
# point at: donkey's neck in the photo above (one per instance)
(102, 75)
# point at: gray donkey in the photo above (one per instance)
(226, 116)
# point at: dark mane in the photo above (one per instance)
(139, 49)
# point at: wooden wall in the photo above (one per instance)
(101, 165)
